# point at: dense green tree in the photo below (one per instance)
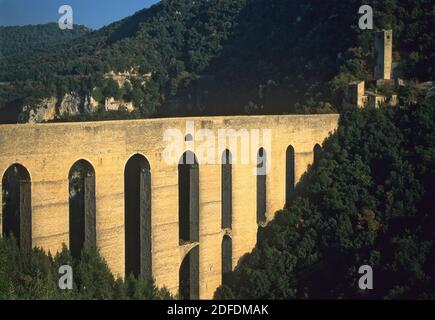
(369, 200)
(35, 275)
(97, 94)
(111, 89)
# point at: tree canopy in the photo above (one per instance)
(368, 201)
(35, 276)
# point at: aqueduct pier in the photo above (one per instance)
(106, 184)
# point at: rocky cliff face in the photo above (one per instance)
(90, 105)
(41, 112)
(49, 109)
(70, 105)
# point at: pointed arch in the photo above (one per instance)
(226, 190)
(261, 185)
(82, 207)
(16, 206)
(317, 151)
(188, 198)
(289, 173)
(227, 258)
(137, 215)
(189, 275)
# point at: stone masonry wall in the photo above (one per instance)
(48, 151)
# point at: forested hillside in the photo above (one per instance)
(19, 40)
(227, 56)
(368, 201)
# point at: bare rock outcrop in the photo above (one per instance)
(43, 111)
(70, 105)
(90, 105)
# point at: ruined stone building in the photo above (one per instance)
(383, 73)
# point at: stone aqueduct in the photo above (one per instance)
(184, 225)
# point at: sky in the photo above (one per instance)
(91, 13)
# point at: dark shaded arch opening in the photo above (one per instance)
(189, 276)
(227, 259)
(261, 185)
(227, 188)
(16, 206)
(137, 215)
(82, 207)
(317, 152)
(289, 174)
(188, 198)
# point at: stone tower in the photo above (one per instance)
(356, 93)
(383, 51)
